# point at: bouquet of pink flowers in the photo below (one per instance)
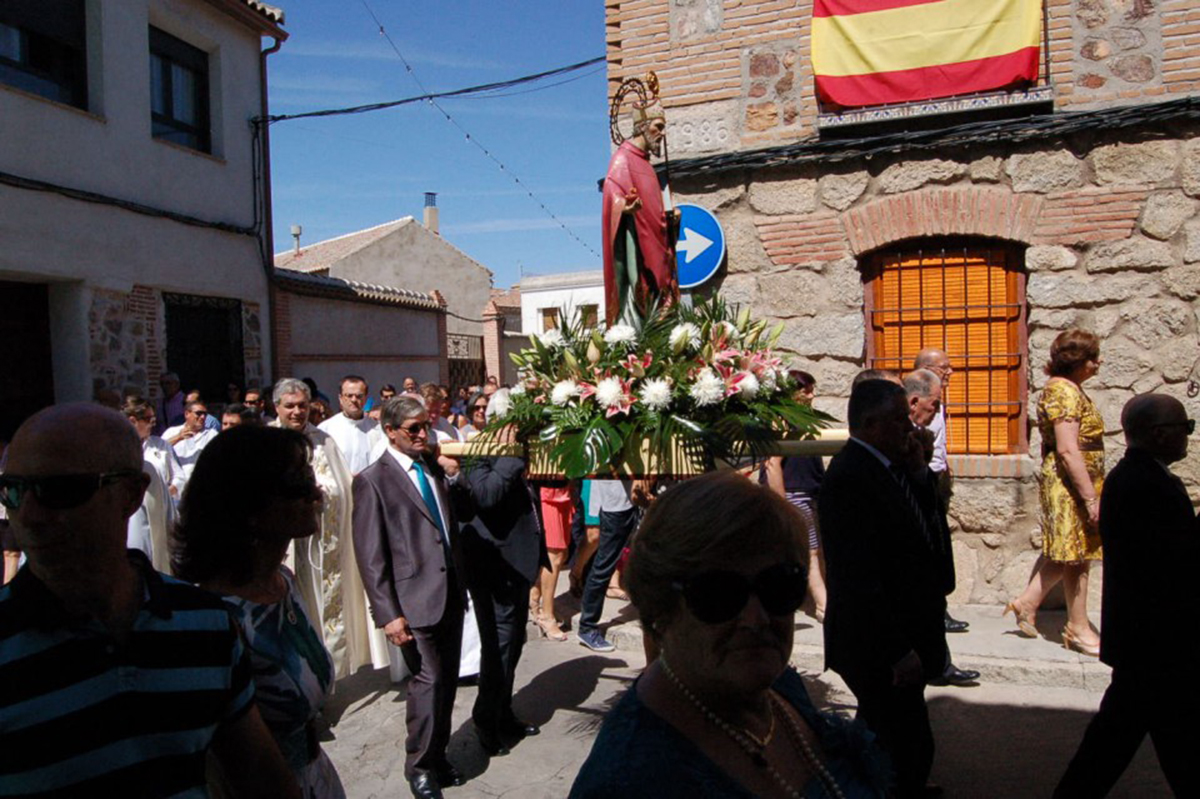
(707, 378)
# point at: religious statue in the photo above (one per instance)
(639, 245)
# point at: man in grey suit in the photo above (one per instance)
(408, 555)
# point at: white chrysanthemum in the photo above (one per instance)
(620, 334)
(708, 388)
(500, 404)
(768, 381)
(656, 393)
(609, 392)
(685, 335)
(552, 338)
(748, 386)
(563, 391)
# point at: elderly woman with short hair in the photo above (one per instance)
(324, 564)
(717, 574)
(1071, 479)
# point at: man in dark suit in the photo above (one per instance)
(1151, 543)
(886, 559)
(504, 550)
(408, 555)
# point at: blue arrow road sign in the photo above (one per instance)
(701, 246)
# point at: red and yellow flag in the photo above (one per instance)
(871, 52)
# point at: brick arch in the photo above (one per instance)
(943, 211)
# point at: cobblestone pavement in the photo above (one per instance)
(995, 740)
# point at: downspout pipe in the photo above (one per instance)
(268, 232)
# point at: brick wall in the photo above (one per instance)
(737, 74)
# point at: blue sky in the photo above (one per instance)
(339, 174)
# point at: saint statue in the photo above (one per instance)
(639, 246)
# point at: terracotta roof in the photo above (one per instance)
(324, 254)
(272, 13)
(337, 288)
(507, 298)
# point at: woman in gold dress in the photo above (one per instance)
(1071, 479)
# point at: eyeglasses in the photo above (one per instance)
(58, 491)
(718, 596)
(417, 427)
(479, 408)
(198, 412)
(1190, 424)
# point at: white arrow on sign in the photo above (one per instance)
(692, 244)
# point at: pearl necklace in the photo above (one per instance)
(755, 747)
(793, 727)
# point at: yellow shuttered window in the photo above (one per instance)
(967, 298)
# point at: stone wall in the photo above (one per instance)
(737, 74)
(128, 341)
(1111, 240)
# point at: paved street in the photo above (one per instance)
(1011, 736)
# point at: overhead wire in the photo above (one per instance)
(432, 100)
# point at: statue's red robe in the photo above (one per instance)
(630, 168)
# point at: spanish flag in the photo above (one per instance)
(872, 52)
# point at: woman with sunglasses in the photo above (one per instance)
(251, 494)
(720, 712)
(476, 414)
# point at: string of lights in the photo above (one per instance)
(432, 100)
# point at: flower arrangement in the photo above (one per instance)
(705, 378)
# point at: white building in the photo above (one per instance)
(131, 196)
(545, 298)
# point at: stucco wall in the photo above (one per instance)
(330, 338)
(416, 259)
(571, 298)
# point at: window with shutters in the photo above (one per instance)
(549, 318)
(967, 298)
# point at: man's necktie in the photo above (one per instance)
(914, 507)
(430, 500)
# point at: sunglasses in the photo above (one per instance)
(58, 491)
(1190, 424)
(299, 487)
(719, 596)
(479, 408)
(413, 429)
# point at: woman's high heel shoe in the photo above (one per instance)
(550, 629)
(1075, 645)
(1024, 625)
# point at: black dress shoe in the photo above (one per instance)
(447, 774)
(425, 786)
(954, 625)
(953, 675)
(515, 728)
(491, 743)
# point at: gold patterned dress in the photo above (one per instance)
(1065, 535)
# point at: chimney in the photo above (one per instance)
(296, 231)
(431, 212)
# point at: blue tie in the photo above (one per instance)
(430, 500)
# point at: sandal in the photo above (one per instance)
(616, 593)
(1025, 623)
(550, 629)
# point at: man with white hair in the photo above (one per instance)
(325, 569)
(1151, 543)
(923, 389)
(938, 362)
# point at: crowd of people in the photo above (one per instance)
(302, 546)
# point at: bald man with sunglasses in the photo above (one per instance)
(85, 628)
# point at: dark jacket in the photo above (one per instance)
(1151, 544)
(887, 580)
(398, 546)
(505, 514)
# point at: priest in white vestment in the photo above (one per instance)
(326, 571)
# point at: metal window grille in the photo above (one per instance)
(966, 298)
